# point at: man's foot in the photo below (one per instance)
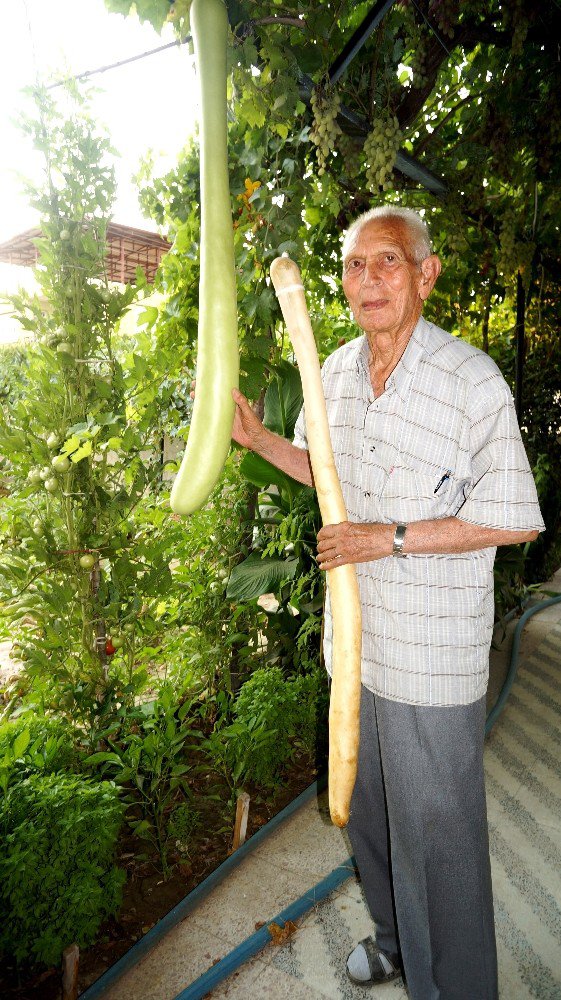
(367, 965)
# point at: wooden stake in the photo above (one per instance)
(70, 962)
(242, 813)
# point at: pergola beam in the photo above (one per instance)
(357, 40)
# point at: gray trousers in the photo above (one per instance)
(418, 829)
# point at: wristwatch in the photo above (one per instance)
(398, 540)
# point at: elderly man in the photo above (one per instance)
(434, 476)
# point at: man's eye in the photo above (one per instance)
(355, 265)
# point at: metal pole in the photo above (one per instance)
(357, 40)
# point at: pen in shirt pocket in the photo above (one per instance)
(446, 476)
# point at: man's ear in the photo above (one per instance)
(430, 269)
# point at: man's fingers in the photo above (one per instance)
(239, 398)
(333, 561)
(328, 532)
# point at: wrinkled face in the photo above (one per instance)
(384, 286)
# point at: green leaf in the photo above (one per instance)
(103, 757)
(252, 375)
(252, 112)
(21, 743)
(283, 400)
(257, 576)
(261, 473)
(83, 451)
(148, 316)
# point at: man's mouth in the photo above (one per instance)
(371, 305)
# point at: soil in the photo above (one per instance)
(147, 896)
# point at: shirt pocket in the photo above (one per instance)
(416, 495)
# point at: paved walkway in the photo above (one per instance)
(524, 794)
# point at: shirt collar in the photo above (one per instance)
(402, 376)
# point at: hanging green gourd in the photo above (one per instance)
(217, 354)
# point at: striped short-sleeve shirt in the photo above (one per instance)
(442, 440)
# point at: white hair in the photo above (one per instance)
(417, 228)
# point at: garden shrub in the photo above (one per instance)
(273, 719)
(33, 743)
(58, 880)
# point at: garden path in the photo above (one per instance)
(524, 798)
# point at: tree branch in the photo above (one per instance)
(294, 22)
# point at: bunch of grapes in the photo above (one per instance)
(508, 262)
(419, 63)
(325, 131)
(515, 20)
(515, 254)
(416, 44)
(380, 150)
(456, 241)
(348, 148)
(520, 30)
(445, 14)
(502, 156)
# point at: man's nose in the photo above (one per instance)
(372, 272)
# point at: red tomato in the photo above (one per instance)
(109, 648)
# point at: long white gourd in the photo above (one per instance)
(344, 706)
(218, 353)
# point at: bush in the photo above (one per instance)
(274, 718)
(36, 744)
(57, 876)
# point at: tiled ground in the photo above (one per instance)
(523, 766)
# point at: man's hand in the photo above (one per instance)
(248, 429)
(353, 543)
(249, 432)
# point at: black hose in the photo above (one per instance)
(513, 665)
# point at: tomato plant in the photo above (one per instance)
(81, 440)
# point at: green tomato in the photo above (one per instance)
(37, 527)
(64, 347)
(65, 234)
(60, 463)
(118, 642)
(45, 472)
(51, 485)
(34, 476)
(87, 561)
(53, 441)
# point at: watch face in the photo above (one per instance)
(398, 540)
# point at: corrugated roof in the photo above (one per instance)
(127, 249)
